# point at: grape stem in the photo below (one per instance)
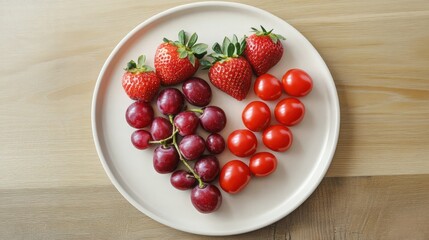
(184, 161)
(165, 140)
(197, 110)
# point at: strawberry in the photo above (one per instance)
(264, 50)
(139, 81)
(179, 60)
(229, 71)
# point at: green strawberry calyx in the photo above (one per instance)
(188, 47)
(138, 67)
(231, 48)
(263, 32)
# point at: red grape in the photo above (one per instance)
(170, 101)
(165, 159)
(139, 114)
(206, 199)
(186, 122)
(182, 180)
(140, 139)
(197, 91)
(207, 167)
(161, 128)
(213, 119)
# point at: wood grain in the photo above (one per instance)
(341, 208)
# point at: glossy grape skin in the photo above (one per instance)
(182, 180)
(192, 146)
(207, 167)
(170, 101)
(213, 119)
(139, 114)
(165, 159)
(186, 122)
(140, 139)
(197, 91)
(161, 128)
(215, 143)
(206, 199)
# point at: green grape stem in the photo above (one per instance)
(165, 140)
(197, 110)
(182, 159)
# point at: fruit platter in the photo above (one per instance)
(215, 125)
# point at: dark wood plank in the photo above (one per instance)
(388, 207)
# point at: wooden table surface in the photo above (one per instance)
(52, 185)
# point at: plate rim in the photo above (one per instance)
(316, 180)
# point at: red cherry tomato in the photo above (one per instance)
(289, 111)
(277, 138)
(263, 164)
(256, 116)
(242, 143)
(234, 176)
(297, 83)
(267, 87)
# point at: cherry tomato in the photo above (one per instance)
(234, 176)
(242, 143)
(256, 116)
(277, 138)
(289, 111)
(267, 87)
(263, 164)
(297, 83)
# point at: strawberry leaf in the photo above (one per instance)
(273, 38)
(140, 61)
(276, 37)
(192, 40)
(182, 52)
(130, 65)
(234, 39)
(225, 45)
(200, 55)
(205, 64)
(237, 48)
(263, 32)
(147, 68)
(165, 40)
(217, 55)
(280, 36)
(182, 37)
(191, 58)
(216, 47)
(230, 50)
(242, 47)
(199, 48)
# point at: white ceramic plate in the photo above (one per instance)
(264, 200)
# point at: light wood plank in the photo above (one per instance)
(388, 207)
